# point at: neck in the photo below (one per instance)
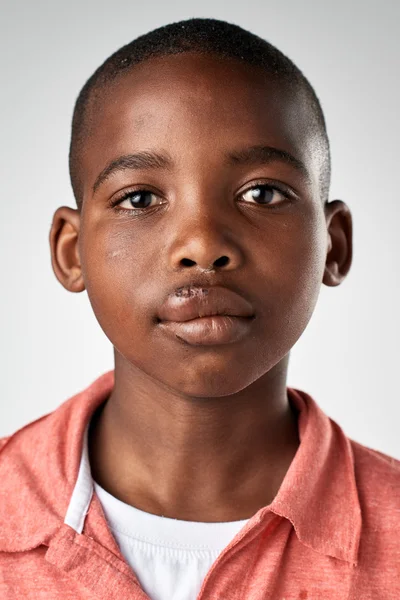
(196, 459)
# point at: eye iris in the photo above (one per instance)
(141, 199)
(262, 194)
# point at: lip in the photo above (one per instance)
(209, 331)
(206, 315)
(192, 302)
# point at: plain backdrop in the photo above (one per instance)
(51, 344)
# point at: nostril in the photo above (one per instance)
(222, 261)
(186, 262)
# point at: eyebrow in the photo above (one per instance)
(259, 155)
(254, 155)
(141, 160)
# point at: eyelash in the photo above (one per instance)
(288, 195)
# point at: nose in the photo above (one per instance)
(207, 244)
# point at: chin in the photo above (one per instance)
(213, 381)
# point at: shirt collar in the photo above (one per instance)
(319, 492)
(39, 466)
(46, 467)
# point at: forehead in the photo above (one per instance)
(197, 108)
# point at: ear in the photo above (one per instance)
(340, 242)
(65, 260)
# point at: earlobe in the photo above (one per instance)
(340, 242)
(63, 238)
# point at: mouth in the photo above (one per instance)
(207, 316)
(209, 331)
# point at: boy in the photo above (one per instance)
(200, 165)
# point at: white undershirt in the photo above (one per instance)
(169, 557)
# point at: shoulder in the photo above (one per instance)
(3, 441)
(18, 450)
(378, 483)
(375, 469)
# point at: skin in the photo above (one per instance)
(200, 433)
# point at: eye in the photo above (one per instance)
(264, 194)
(138, 199)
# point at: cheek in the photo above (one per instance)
(293, 277)
(115, 265)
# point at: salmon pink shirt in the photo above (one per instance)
(332, 531)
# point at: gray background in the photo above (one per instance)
(51, 344)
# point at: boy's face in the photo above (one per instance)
(202, 208)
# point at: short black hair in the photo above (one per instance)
(206, 36)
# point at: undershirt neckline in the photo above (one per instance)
(164, 531)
